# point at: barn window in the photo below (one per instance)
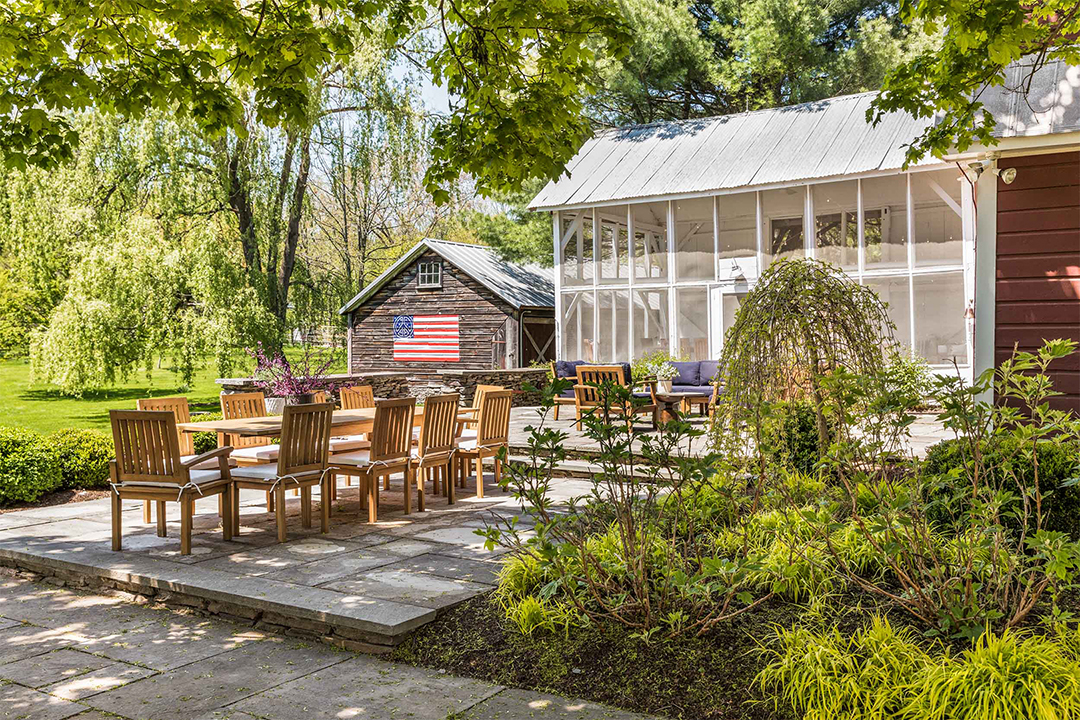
(429, 274)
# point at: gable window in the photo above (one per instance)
(429, 274)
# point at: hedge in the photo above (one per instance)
(28, 466)
(83, 457)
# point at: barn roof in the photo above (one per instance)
(519, 285)
(828, 138)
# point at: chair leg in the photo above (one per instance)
(279, 511)
(269, 501)
(498, 470)
(235, 505)
(325, 495)
(372, 482)
(226, 513)
(220, 505)
(479, 477)
(386, 481)
(420, 488)
(305, 506)
(556, 411)
(117, 514)
(146, 516)
(187, 510)
(449, 479)
(161, 530)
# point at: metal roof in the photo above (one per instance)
(519, 285)
(828, 138)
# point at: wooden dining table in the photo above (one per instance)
(342, 422)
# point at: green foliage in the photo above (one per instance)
(205, 441)
(517, 234)
(790, 436)
(83, 457)
(696, 58)
(948, 465)
(880, 673)
(909, 375)
(28, 467)
(802, 322)
(978, 41)
(653, 365)
(20, 313)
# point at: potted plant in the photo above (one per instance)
(655, 366)
(286, 383)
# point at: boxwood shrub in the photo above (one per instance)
(205, 441)
(28, 466)
(83, 457)
(1058, 462)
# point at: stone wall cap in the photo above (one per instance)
(335, 376)
(497, 371)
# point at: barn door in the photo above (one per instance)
(537, 340)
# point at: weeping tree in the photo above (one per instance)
(802, 321)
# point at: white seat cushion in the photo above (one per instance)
(266, 472)
(467, 435)
(466, 444)
(263, 453)
(197, 477)
(349, 442)
(359, 458)
(210, 464)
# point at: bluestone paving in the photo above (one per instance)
(17, 643)
(170, 640)
(217, 681)
(51, 667)
(22, 703)
(369, 688)
(451, 567)
(334, 567)
(113, 675)
(405, 586)
(511, 704)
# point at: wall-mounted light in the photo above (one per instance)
(1007, 175)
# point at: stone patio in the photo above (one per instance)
(361, 586)
(71, 654)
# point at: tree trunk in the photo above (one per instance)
(292, 234)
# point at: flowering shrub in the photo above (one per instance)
(277, 377)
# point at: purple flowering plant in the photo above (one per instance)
(277, 377)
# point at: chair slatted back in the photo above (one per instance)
(305, 438)
(599, 374)
(178, 406)
(391, 438)
(437, 428)
(478, 400)
(493, 421)
(240, 406)
(357, 397)
(587, 395)
(147, 446)
(318, 397)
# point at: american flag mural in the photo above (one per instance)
(426, 338)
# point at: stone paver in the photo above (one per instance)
(409, 587)
(448, 566)
(191, 668)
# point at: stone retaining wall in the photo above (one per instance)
(391, 384)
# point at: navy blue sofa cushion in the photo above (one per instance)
(691, 388)
(689, 373)
(567, 368)
(709, 369)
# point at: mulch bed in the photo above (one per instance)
(687, 678)
(59, 497)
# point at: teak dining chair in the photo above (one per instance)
(469, 426)
(178, 406)
(241, 406)
(148, 467)
(390, 452)
(302, 464)
(492, 434)
(357, 397)
(432, 453)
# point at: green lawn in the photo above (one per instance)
(43, 408)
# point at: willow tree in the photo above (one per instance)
(803, 320)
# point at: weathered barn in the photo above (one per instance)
(452, 305)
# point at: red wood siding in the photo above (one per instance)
(480, 315)
(1038, 262)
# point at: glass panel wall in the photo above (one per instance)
(885, 221)
(650, 321)
(939, 225)
(692, 322)
(836, 223)
(634, 296)
(614, 244)
(577, 258)
(940, 328)
(895, 292)
(738, 218)
(614, 335)
(782, 222)
(694, 239)
(650, 241)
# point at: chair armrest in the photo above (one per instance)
(216, 452)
